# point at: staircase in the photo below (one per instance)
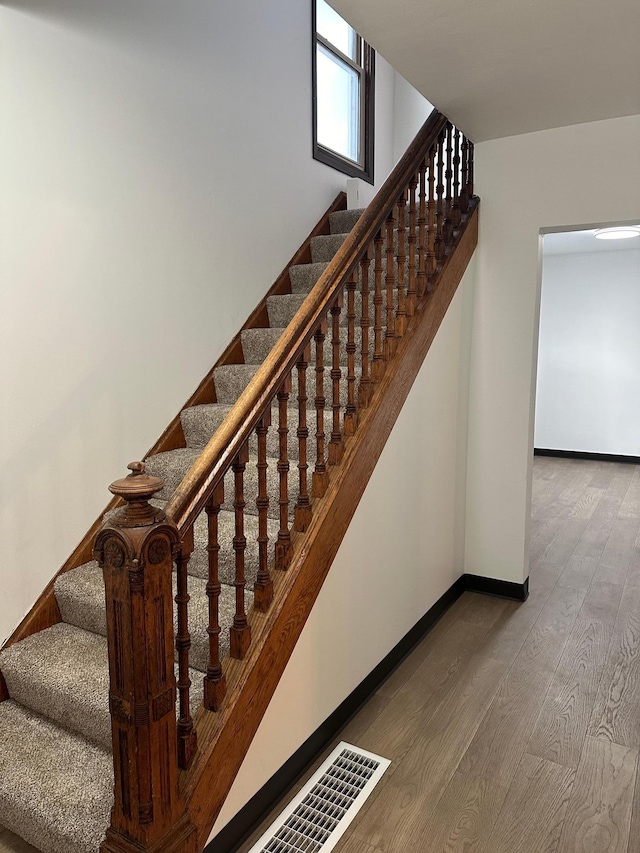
(236, 517)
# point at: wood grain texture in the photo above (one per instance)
(564, 719)
(466, 815)
(403, 814)
(556, 638)
(615, 714)
(225, 736)
(393, 732)
(534, 810)
(599, 812)
(634, 830)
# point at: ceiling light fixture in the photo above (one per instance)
(619, 232)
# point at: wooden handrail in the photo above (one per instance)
(387, 282)
(191, 495)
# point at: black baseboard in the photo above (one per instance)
(240, 827)
(491, 586)
(584, 454)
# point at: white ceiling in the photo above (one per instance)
(577, 242)
(503, 67)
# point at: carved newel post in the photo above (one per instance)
(135, 549)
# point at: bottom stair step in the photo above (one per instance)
(63, 673)
(56, 789)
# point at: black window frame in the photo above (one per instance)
(367, 65)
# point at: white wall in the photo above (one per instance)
(410, 111)
(589, 353)
(403, 550)
(156, 176)
(568, 176)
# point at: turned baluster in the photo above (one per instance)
(401, 311)
(364, 390)
(423, 258)
(390, 340)
(283, 542)
(302, 514)
(447, 228)
(413, 237)
(377, 366)
(136, 548)
(432, 259)
(456, 215)
(336, 445)
(215, 682)
(263, 586)
(470, 173)
(240, 630)
(464, 194)
(440, 206)
(187, 741)
(320, 478)
(350, 413)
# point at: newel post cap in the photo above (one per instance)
(137, 489)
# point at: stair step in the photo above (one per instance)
(258, 343)
(230, 380)
(342, 221)
(172, 465)
(282, 309)
(304, 276)
(63, 673)
(199, 423)
(199, 562)
(56, 789)
(80, 597)
(324, 247)
(198, 439)
(262, 344)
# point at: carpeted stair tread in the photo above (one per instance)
(80, 597)
(199, 423)
(230, 380)
(172, 465)
(258, 343)
(198, 439)
(324, 247)
(251, 488)
(56, 789)
(63, 673)
(342, 221)
(199, 562)
(304, 276)
(282, 309)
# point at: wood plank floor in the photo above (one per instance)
(515, 728)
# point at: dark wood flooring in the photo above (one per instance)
(515, 728)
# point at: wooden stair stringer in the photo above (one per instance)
(224, 737)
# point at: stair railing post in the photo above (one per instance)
(135, 550)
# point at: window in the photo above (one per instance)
(343, 95)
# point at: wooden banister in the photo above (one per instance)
(390, 282)
(191, 495)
